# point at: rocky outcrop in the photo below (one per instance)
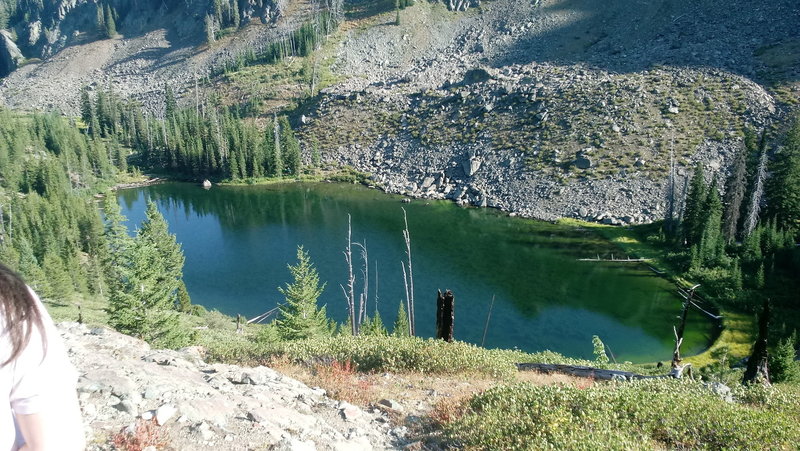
(10, 56)
(202, 406)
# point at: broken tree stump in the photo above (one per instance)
(445, 315)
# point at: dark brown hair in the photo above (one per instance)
(19, 311)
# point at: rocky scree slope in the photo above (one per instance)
(157, 45)
(200, 406)
(546, 108)
(556, 108)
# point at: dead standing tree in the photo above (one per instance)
(757, 369)
(677, 368)
(445, 315)
(408, 278)
(349, 292)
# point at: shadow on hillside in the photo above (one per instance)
(634, 35)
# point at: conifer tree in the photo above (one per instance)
(693, 214)
(170, 104)
(400, 327)
(782, 364)
(783, 189)
(734, 195)
(110, 25)
(374, 326)
(276, 159)
(87, 113)
(299, 316)
(147, 280)
(211, 29)
(711, 242)
(290, 148)
(184, 303)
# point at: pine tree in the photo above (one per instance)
(170, 104)
(783, 189)
(401, 328)
(148, 279)
(693, 214)
(100, 20)
(109, 22)
(276, 159)
(711, 241)
(87, 113)
(117, 239)
(782, 364)
(290, 148)
(211, 29)
(184, 303)
(155, 233)
(299, 316)
(374, 326)
(734, 195)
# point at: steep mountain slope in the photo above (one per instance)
(546, 108)
(557, 108)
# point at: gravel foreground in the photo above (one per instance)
(201, 406)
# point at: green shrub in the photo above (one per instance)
(639, 415)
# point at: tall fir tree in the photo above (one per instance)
(290, 148)
(711, 243)
(692, 224)
(170, 104)
(110, 24)
(783, 188)
(148, 280)
(300, 317)
(734, 195)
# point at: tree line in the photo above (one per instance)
(300, 42)
(188, 142)
(744, 242)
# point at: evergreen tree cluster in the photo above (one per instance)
(301, 42)
(107, 20)
(50, 230)
(191, 143)
(743, 248)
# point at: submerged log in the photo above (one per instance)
(600, 373)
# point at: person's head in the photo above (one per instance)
(18, 312)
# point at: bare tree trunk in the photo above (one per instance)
(486, 326)
(362, 304)
(670, 220)
(755, 199)
(410, 280)
(351, 280)
(676, 355)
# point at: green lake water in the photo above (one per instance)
(239, 240)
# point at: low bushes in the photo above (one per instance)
(638, 415)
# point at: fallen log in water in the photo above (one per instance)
(600, 373)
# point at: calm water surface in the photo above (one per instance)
(239, 240)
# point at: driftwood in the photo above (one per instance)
(600, 373)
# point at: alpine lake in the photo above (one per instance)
(238, 241)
